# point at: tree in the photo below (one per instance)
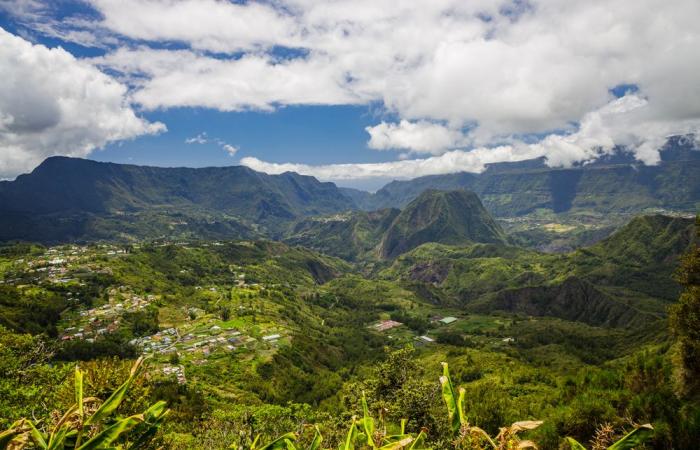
(685, 321)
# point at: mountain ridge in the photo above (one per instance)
(449, 217)
(78, 191)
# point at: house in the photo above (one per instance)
(386, 325)
(508, 340)
(448, 320)
(272, 337)
(426, 339)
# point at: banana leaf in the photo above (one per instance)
(634, 438)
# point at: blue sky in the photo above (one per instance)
(358, 92)
(313, 134)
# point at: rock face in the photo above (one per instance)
(454, 217)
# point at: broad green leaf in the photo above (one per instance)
(418, 443)
(316, 443)
(280, 442)
(79, 390)
(112, 433)
(155, 411)
(367, 422)
(153, 419)
(58, 438)
(634, 438)
(398, 444)
(37, 437)
(114, 400)
(349, 443)
(450, 397)
(460, 407)
(574, 444)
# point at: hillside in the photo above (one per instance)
(610, 185)
(455, 217)
(258, 336)
(623, 281)
(351, 236)
(91, 199)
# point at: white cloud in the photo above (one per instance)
(416, 137)
(230, 149)
(53, 104)
(185, 78)
(214, 25)
(625, 121)
(202, 138)
(449, 162)
(498, 68)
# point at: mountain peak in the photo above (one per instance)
(448, 217)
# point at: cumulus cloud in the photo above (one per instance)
(500, 69)
(625, 121)
(449, 162)
(166, 79)
(53, 104)
(416, 137)
(214, 25)
(497, 68)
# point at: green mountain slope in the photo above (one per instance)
(455, 217)
(79, 195)
(350, 236)
(625, 280)
(611, 185)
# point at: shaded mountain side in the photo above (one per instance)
(78, 191)
(612, 184)
(125, 227)
(70, 184)
(574, 300)
(641, 255)
(647, 240)
(631, 270)
(455, 217)
(349, 236)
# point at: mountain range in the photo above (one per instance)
(614, 183)
(447, 217)
(69, 199)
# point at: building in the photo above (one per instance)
(386, 325)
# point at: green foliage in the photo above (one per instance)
(473, 437)
(80, 430)
(455, 217)
(685, 321)
(514, 189)
(630, 441)
(27, 383)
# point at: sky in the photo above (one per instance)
(359, 92)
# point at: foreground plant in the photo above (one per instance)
(630, 441)
(88, 424)
(470, 437)
(284, 442)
